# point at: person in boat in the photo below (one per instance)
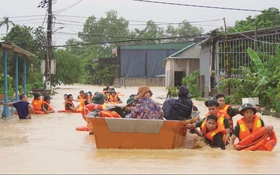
(125, 111)
(213, 109)
(195, 112)
(133, 95)
(86, 100)
(178, 109)
(98, 99)
(228, 110)
(90, 95)
(248, 124)
(106, 93)
(113, 97)
(46, 105)
(190, 96)
(23, 107)
(81, 95)
(127, 108)
(144, 107)
(69, 105)
(213, 132)
(37, 102)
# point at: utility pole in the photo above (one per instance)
(228, 61)
(49, 46)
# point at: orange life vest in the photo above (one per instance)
(82, 102)
(113, 99)
(81, 97)
(210, 135)
(109, 114)
(69, 102)
(244, 131)
(225, 109)
(37, 104)
(45, 103)
(220, 115)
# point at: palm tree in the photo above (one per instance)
(6, 22)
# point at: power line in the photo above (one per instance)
(201, 6)
(98, 35)
(44, 18)
(62, 10)
(28, 16)
(211, 20)
(35, 19)
(132, 40)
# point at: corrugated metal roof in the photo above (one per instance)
(175, 46)
(182, 50)
(15, 48)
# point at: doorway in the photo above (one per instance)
(178, 76)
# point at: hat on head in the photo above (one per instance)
(183, 91)
(129, 101)
(47, 97)
(112, 90)
(89, 92)
(142, 90)
(132, 95)
(210, 99)
(247, 106)
(98, 98)
(36, 95)
(189, 95)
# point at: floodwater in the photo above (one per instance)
(50, 144)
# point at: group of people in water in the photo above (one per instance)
(217, 127)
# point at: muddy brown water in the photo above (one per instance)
(50, 144)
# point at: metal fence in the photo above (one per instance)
(237, 52)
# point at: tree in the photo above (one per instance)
(68, 68)
(149, 32)
(103, 31)
(186, 29)
(268, 18)
(6, 22)
(23, 37)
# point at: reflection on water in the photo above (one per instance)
(50, 144)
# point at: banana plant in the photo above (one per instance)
(261, 73)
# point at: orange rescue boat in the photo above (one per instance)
(125, 133)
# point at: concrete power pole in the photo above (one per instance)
(49, 46)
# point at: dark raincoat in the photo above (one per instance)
(178, 109)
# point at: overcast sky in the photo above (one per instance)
(130, 10)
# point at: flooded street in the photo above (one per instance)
(50, 144)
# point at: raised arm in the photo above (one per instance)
(7, 104)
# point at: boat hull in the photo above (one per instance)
(138, 133)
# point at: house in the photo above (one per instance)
(181, 64)
(214, 55)
(143, 64)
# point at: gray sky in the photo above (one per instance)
(130, 10)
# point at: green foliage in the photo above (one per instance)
(173, 91)
(6, 22)
(261, 80)
(38, 85)
(10, 85)
(68, 68)
(114, 28)
(191, 82)
(268, 18)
